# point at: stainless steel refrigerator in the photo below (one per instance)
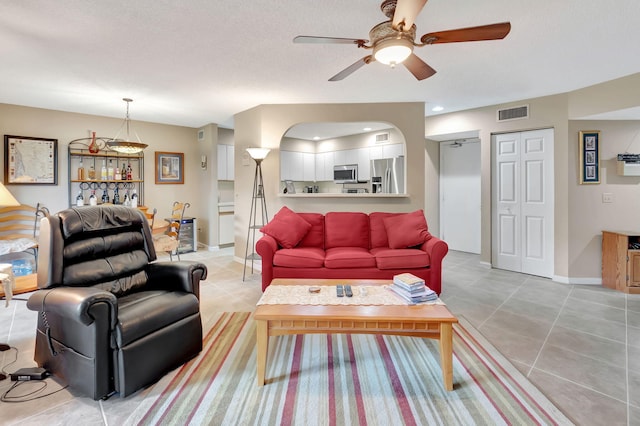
(387, 175)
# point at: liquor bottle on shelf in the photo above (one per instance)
(129, 172)
(126, 201)
(93, 200)
(80, 199)
(117, 175)
(103, 171)
(81, 170)
(116, 196)
(105, 196)
(123, 171)
(110, 174)
(134, 199)
(91, 173)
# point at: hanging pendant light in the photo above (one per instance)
(126, 146)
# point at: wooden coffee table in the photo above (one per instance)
(430, 321)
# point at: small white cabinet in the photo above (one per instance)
(393, 150)
(225, 162)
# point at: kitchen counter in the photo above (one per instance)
(342, 195)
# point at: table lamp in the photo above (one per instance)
(6, 200)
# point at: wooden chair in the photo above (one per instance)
(177, 214)
(20, 227)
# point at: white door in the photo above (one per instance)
(460, 195)
(522, 210)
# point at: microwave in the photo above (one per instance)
(347, 173)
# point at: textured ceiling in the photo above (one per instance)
(202, 61)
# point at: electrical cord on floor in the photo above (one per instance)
(24, 397)
(15, 358)
(6, 397)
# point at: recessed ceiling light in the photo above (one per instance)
(437, 108)
(366, 129)
(315, 138)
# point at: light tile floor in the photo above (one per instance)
(579, 344)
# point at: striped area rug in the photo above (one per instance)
(343, 380)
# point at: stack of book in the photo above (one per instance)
(412, 289)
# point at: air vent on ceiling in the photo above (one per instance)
(382, 137)
(515, 113)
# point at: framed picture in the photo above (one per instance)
(30, 161)
(289, 188)
(169, 167)
(590, 156)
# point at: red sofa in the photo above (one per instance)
(350, 245)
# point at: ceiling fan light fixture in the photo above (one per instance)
(392, 51)
(126, 146)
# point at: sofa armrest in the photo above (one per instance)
(74, 303)
(437, 250)
(266, 247)
(181, 276)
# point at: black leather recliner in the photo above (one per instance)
(111, 319)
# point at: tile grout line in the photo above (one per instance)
(503, 303)
(626, 351)
(546, 338)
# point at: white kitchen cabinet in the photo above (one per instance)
(375, 152)
(393, 150)
(364, 164)
(225, 162)
(291, 166)
(309, 166)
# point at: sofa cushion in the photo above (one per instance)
(299, 257)
(315, 236)
(349, 257)
(378, 230)
(346, 229)
(407, 230)
(287, 228)
(387, 258)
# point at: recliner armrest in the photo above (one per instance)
(180, 276)
(73, 303)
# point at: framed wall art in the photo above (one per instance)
(589, 156)
(30, 161)
(169, 167)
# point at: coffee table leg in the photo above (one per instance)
(446, 354)
(262, 339)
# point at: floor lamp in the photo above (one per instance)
(257, 197)
(6, 200)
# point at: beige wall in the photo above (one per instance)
(64, 126)
(589, 216)
(546, 112)
(580, 215)
(265, 125)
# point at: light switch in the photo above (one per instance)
(607, 197)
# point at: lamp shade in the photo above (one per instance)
(6, 198)
(258, 153)
(126, 146)
(392, 51)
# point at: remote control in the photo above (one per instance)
(347, 291)
(339, 291)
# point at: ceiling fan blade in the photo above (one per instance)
(352, 68)
(407, 11)
(483, 32)
(418, 67)
(331, 40)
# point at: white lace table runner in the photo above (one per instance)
(362, 295)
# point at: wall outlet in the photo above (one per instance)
(607, 197)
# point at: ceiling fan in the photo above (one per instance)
(393, 41)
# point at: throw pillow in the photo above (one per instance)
(407, 230)
(287, 228)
